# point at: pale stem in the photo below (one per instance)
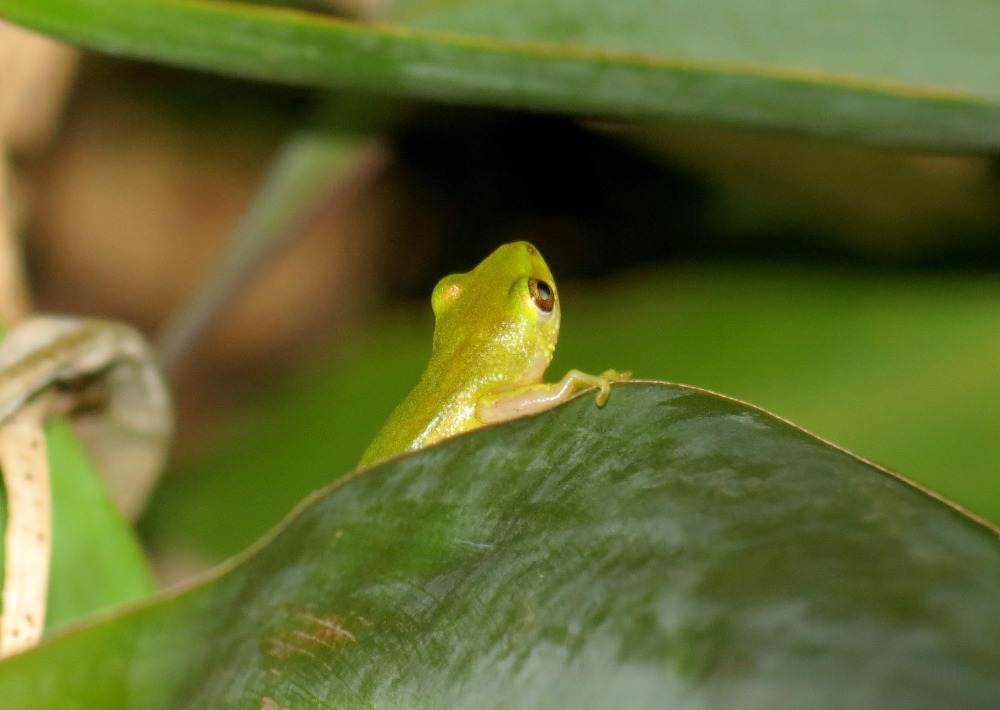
(28, 540)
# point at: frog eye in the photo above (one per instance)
(542, 295)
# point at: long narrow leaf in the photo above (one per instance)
(905, 73)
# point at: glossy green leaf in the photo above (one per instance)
(903, 72)
(674, 549)
(97, 561)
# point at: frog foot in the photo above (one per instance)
(581, 380)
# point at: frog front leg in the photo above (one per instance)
(530, 399)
